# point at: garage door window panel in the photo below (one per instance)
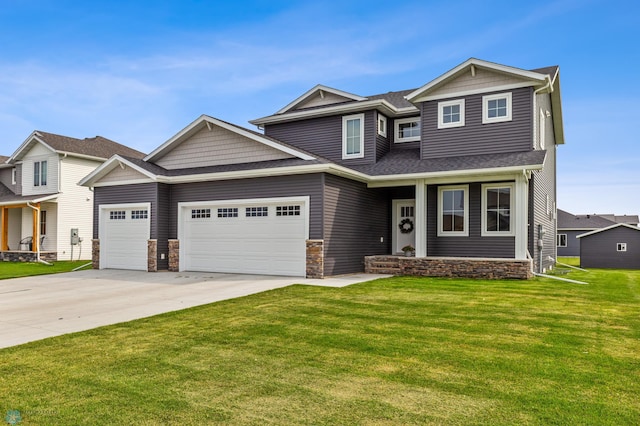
(117, 215)
(288, 211)
(256, 211)
(228, 212)
(139, 214)
(200, 213)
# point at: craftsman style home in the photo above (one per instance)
(41, 201)
(459, 172)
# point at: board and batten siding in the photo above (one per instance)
(268, 187)
(483, 79)
(475, 138)
(122, 173)
(475, 245)
(323, 136)
(356, 224)
(600, 250)
(216, 147)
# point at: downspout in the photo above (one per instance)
(553, 277)
(37, 236)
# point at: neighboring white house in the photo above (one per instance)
(39, 196)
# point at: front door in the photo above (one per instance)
(403, 224)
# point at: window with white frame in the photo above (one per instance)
(407, 129)
(621, 246)
(453, 211)
(382, 125)
(353, 136)
(542, 128)
(497, 205)
(561, 240)
(39, 173)
(43, 222)
(14, 176)
(451, 114)
(496, 108)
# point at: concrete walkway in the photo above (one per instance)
(35, 308)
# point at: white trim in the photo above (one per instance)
(382, 119)
(615, 225)
(345, 120)
(542, 128)
(33, 137)
(485, 108)
(501, 88)
(380, 104)
(520, 220)
(559, 239)
(415, 96)
(421, 218)
(14, 176)
(512, 211)
(159, 152)
(106, 167)
(442, 105)
(396, 129)
(465, 232)
(621, 247)
(316, 89)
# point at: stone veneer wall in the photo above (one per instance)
(449, 267)
(27, 256)
(174, 255)
(152, 255)
(95, 254)
(315, 258)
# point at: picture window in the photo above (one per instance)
(407, 130)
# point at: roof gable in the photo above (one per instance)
(320, 96)
(476, 76)
(98, 147)
(615, 225)
(208, 141)
(118, 170)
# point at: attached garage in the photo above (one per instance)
(124, 232)
(258, 236)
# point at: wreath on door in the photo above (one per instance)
(406, 226)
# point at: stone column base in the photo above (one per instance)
(152, 255)
(95, 253)
(315, 258)
(174, 255)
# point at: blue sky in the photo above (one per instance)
(139, 71)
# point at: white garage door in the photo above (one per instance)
(251, 237)
(124, 231)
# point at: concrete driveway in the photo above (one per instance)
(35, 308)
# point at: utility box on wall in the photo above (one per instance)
(75, 238)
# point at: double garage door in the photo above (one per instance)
(265, 236)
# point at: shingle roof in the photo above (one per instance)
(395, 98)
(552, 70)
(96, 147)
(8, 196)
(567, 220)
(407, 161)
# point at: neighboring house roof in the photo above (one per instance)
(97, 147)
(613, 226)
(568, 221)
(630, 219)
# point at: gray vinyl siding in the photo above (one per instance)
(543, 184)
(5, 178)
(323, 136)
(573, 244)
(162, 228)
(276, 186)
(140, 193)
(475, 138)
(475, 245)
(382, 143)
(600, 250)
(356, 218)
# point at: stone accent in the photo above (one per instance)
(315, 258)
(174, 255)
(28, 256)
(95, 254)
(449, 267)
(152, 255)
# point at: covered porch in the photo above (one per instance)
(22, 233)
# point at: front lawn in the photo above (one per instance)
(392, 351)
(26, 269)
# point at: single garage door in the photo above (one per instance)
(265, 236)
(124, 231)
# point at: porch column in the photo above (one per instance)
(4, 236)
(521, 216)
(421, 218)
(35, 237)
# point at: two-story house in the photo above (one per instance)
(40, 196)
(462, 169)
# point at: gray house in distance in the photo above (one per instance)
(616, 246)
(462, 169)
(570, 226)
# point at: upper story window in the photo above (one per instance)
(14, 175)
(453, 211)
(39, 173)
(451, 114)
(497, 205)
(496, 108)
(407, 129)
(353, 136)
(382, 125)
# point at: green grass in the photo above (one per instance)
(392, 351)
(25, 269)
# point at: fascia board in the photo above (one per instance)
(316, 89)
(616, 225)
(556, 110)
(205, 118)
(380, 104)
(32, 137)
(413, 96)
(108, 166)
